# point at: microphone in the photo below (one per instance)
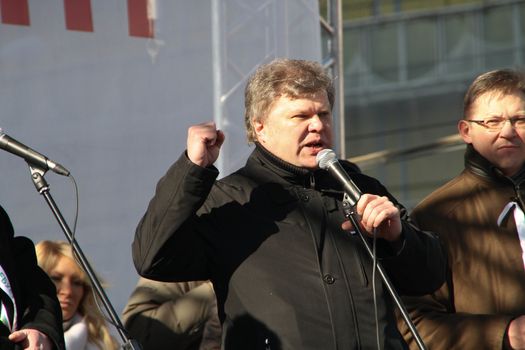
(31, 156)
(327, 160)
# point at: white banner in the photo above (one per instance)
(109, 88)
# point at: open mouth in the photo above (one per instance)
(317, 145)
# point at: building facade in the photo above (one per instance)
(406, 72)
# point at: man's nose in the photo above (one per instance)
(316, 123)
(508, 128)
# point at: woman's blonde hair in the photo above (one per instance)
(48, 254)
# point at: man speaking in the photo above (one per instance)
(287, 273)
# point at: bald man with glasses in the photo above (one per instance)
(479, 217)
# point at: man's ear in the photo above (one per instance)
(258, 128)
(464, 129)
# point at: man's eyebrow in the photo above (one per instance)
(496, 115)
(309, 109)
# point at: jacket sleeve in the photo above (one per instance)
(419, 266)
(181, 306)
(435, 316)
(167, 245)
(160, 314)
(416, 265)
(440, 327)
(40, 307)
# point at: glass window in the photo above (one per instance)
(354, 65)
(498, 36)
(522, 19)
(422, 55)
(521, 8)
(498, 27)
(384, 56)
(459, 42)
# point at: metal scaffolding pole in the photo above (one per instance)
(332, 29)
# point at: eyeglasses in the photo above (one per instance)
(496, 124)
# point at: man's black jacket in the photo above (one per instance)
(269, 237)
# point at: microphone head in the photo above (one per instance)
(325, 158)
(2, 137)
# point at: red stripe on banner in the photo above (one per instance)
(78, 15)
(15, 12)
(139, 24)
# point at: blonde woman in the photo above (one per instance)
(84, 325)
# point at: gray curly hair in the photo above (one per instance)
(282, 77)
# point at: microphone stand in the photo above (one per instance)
(37, 175)
(350, 213)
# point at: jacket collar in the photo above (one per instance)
(480, 166)
(287, 171)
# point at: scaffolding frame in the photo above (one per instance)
(227, 94)
(332, 27)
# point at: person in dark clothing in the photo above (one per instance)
(30, 316)
(272, 236)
